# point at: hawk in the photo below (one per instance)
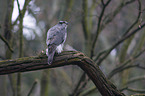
(56, 37)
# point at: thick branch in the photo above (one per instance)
(66, 58)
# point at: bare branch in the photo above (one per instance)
(135, 79)
(89, 91)
(84, 19)
(141, 67)
(117, 70)
(133, 90)
(6, 42)
(108, 18)
(98, 27)
(99, 61)
(123, 66)
(75, 91)
(21, 11)
(20, 14)
(137, 19)
(102, 1)
(32, 88)
(128, 2)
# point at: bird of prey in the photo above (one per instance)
(56, 37)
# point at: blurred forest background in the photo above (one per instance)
(111, 32)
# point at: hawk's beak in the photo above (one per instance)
(66, 23)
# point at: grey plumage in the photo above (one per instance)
(56, 37)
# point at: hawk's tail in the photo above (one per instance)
(51, 52)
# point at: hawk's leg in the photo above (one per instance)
(47, 51)
(59, 48)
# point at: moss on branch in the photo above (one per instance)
(65, 58)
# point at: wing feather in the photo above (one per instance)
(55, 37)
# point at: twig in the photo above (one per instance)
(78, 85)
(122, 69)
(32, 88)
(20, 14)
(138, 95)
(89, 91)
(108, 18)
(119, 42)
(122, 66)
(128, 2)
(98, 27)
(15, 22)
(133, 90)
(141, 67)
(6, 42)
(137, 19)
(102, 1)
(84, 19)
(12, 84)
(99, 55)
(136, 79)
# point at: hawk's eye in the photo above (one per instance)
(61, 22)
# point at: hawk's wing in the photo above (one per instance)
(55, 36)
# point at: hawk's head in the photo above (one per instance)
(63, 23)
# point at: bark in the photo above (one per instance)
(105, 87)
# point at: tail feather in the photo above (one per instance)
(51, 52)
(50, 58)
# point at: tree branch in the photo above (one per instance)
(118, 43)
(137, 19)
(111, 16)
(6, 42)
(135, 79)
(25, 64)
(133, 90)
(75, 91)
(98, 26)
(85, 19)
(32, 88)
(123, 65)
(108, 18)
